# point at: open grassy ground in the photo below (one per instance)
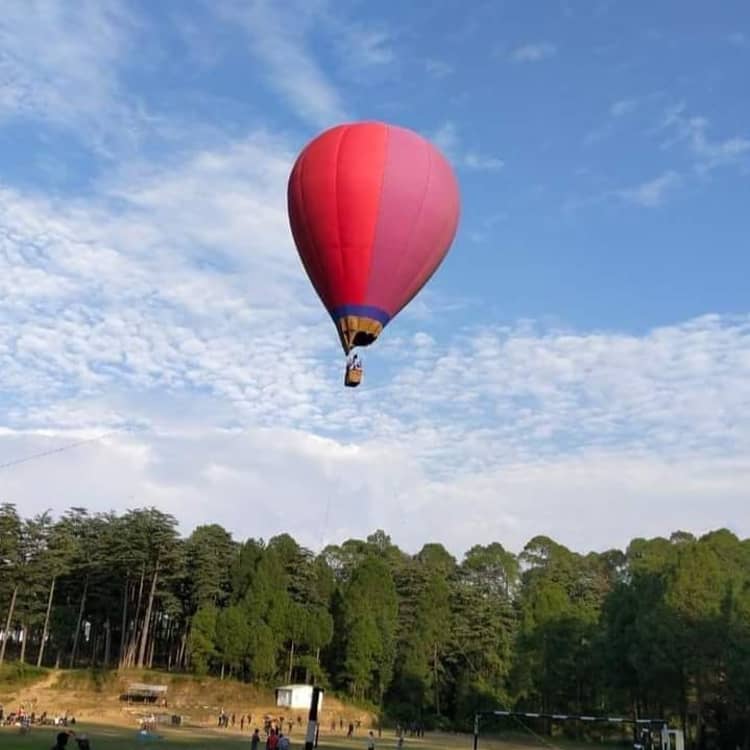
(118, 738)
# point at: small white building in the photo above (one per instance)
(296, 696)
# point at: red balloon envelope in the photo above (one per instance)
(373, 209)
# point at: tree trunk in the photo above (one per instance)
(45, 630)
(222, 671)
(152, 647)
(147, 618)
(291, 663)
(123, 632)
(81, 610)
(700, 711)
(130, 657)
(683, 707)
(435, 673)
(24, 635)
(94, 638)
(107, 642)
(171, 645)
(181, 656)
(8, 622)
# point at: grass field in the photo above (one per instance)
(116, 738)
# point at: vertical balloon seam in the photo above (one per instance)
(413, 228)
(366, 299)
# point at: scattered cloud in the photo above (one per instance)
(364, 47)
(473, 160)
(277, 37)
(486, 228)
(448, 140)
(155, 285)
(707, 154)
(241, 479)
(282, 39)
(61, 62)
(623, 107)
(446, 137)
(186, 322)
(438, 68)
(653, 192)
(617, 110)
(169, 310)
(535, 52)
(528, 448)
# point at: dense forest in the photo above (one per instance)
(660, 629)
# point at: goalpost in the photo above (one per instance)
(648, 734)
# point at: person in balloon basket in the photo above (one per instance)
(353, 375)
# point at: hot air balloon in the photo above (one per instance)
(373, 209)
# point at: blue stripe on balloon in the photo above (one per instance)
(365, 311)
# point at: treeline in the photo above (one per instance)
(661, 629)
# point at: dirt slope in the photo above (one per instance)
(96, 697)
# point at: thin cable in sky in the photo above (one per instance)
(61, 449)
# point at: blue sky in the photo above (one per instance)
(578, 367)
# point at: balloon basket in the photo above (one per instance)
(352, 377)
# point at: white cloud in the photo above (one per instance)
(707, 154)
(277, 35)
(495, 434)
(178, 279)
(283, 38)
(171, 306)
(488, 227)
(472, 160)
(242, 479)
(446, 137)
(533, 52)
(60, 62)
(652, 192)
(448, 140)
(623, 107)
(365, 47)
(227, 377)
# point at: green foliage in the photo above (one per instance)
(661, 628)
(203, 638)
(369, 620)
